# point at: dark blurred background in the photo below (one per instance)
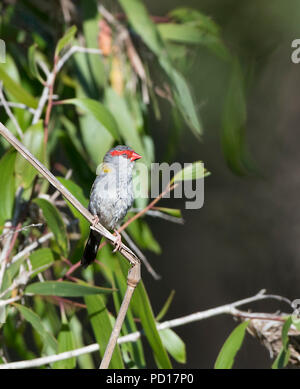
(245, 238)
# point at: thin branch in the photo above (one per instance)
(161, 215)
(147, 208)
(22, 278)
(9, 301)
(50, 101)
(51, 77)
(20, 229)
(57, 193)
(19, 105)
(10, 240)
(143, 258)
(5, 250)
(9, 113)
(31, 247)
(117, 328)
(133, 337)
(44, 67)
(73, 50)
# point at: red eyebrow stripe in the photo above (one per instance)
(120, 152)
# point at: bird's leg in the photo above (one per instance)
(95, 220)
(118, 241)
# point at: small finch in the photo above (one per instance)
(111, 196)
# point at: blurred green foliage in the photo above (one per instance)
(99, 100)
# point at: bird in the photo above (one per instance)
(111, 197)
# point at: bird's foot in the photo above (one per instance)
(95, 220)
(118, 241)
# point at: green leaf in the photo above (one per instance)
(65, 40)
(143, 236)
(78, 193)
(193, 171)
(191, 34)
(37, 324)
(141, 307)
(32, 60)
(283, 357)
(166, 306)
(170, 211)
(231, 346)
(102, 327)
(233, 125)
(173, 344)
(101, 114)
(65, 343)
(183, 99)
(141, 22)
(7, 186)
(55, 223)
(33, 141)
(85, 361)
(182, 33)
(15, 339)
(41, 258)
(10, 274)
(94, 64)
(71, 129)
(16, 90)
(84, 225)
(64, 289)
(82, 171)
(195, 18)
(127, 128)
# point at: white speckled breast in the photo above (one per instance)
(112, 193)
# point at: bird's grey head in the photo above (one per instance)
(121, 154)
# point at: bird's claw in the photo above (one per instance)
(118, 241)
(95, 220)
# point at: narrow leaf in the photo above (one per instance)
(234, 124)
(37, 324)
(231, 346)
(41, 258)
(64, 289)
(16, 90)
(195, 18)
(65, 343)
(166, 306)
(7, 186)
(173, 344)
(127, 128)
(143, 25)
(55, 223)
(33, 141)
(170, 211)
(66, 39)
(193, 171)
(102, 327)
(283, 357)
(78, 193)
(191, 34)
(101, 114)
(32, 60)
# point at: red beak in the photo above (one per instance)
(135, 156)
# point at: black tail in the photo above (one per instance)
(91, 249)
